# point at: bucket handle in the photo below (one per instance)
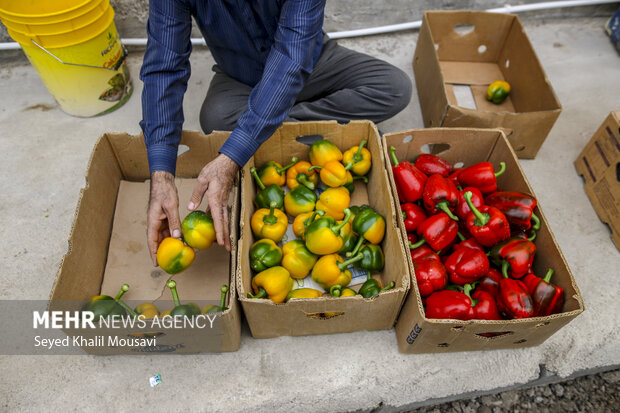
(113, 68)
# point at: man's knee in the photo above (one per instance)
(216, 117)
(399, 88)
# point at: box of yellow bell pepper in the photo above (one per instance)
(279, 302)
(108, 250)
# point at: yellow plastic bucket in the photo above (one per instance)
(83, 67)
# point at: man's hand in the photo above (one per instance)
(215, 180)
(162, 217)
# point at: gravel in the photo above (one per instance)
(595, 393)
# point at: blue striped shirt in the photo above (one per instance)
(271, 45)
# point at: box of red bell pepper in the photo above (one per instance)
(479, 70)
(320, 251)
(486, 270)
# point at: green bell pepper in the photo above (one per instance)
(373, 260)
(372, 288)
(266, 194)
(103, 306)
(211, 308)
(299, 200)
(188, 310)
(264, 254)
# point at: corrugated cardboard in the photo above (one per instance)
(599, 164)
(457, 48)
(416, 333)
(107, 245)
(308, 316)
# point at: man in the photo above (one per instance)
(273, 64)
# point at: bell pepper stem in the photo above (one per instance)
(257, 178)
(454, 287)
(284, 168)
(270, 218)
(335, 290)
(548, 276)
(443, 205)
(224, 290)
(173, 289)
(124, 289)
(311, 218)
(349, 165)
(363, 178)
(393, 155)
(389, 286)
(532, 237)
(357, 248)
(358, 155)
(461, 236)
(505, 266)
(481, 219)
(261, 293)
(536, 222)
(347, 216)
(467, 290)
(502, 169)
(315, 167)
(343, 265)
(129, 310)
(303, 179)
(417, 244)
(404, 214)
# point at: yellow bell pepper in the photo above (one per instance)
(323, 151)
(338, 291)
(299, 201)
(324, 235)
(147, 310)
(165, 313)
(359, 158)
(274, 173)
(198, 230)
(304, 293)
(274, 283)
(332, 270)
(173, 256)
(297, 259)
(301, 222)
(300, 175)
(333, 173)
(269, 223)
(498, 91)
(333, 201)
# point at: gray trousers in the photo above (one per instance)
(344, 85)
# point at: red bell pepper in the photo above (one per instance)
(518, 208)
(548, 298)
(482, 176)
(485, 306)
(490, 282)
(515, 256)
(449, 304)
(440, 194)
(466, 265)
(420, 251)
(467, 242)
(409, 180)
(462, 208)
(438, 231)
(430, 274)
(513, 300)
(454, 176)
(433, 164)
(413, 216)
(487, 224)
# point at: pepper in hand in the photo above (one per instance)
(173, 256)
(274, 283)
(267, 194)
(481, 176)
(488, 225)
(274, 173)
(409, 180)
(269, 223)
(548, 298)
(264, 254)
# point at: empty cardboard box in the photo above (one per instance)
(599, 164)
(457, 56)
(325, 315)
(108, 248)
(418, 334)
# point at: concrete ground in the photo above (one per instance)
(44, 153)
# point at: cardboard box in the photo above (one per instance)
(418, 334)
(457, 56)
(107, 246)
(325, 315)
(599, 164)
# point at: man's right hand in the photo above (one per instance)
(162, 218)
